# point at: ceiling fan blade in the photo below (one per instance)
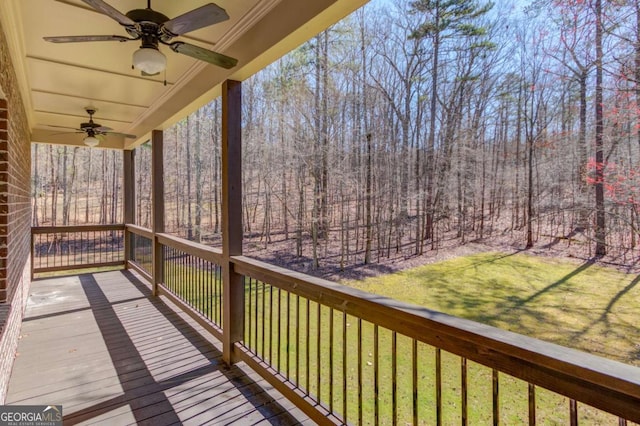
(204, 54)
(102, 129)
(75, 39)
(65, 133)
(125, 135)
(203, 16)
(63, 127)
(110, 11)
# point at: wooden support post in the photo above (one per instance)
(129, 201)
(157, 190)
(233, 284)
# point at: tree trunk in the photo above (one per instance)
(600, 231)
(199, 183)
(188, 168)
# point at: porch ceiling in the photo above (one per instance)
(58, 81)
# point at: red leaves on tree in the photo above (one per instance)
(622, 186)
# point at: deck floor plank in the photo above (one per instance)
(109, 353)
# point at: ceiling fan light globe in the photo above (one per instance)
(91, 141)
(149, 60)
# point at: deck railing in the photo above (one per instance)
(193, 279)
(346, 356)
(59, 248)
(354, 357)
(140, 250)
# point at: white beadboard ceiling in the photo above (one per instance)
(58, 81)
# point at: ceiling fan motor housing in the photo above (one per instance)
(90, 126)
(147, 15)
(148, 21)
(148, 24)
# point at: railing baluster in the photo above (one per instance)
(192, 283)
(376, 376)
(262, 324)
(463, 386)
(190, 287)
(288, 344)
(394, 377)
(331, 346)
(174, 273)
(198, 284)
(271, 357)
(210, 290)
(183, 275)
(203, 291)
(79, 257)
(297, 340)
(496, 396)
(279, 329)
(213, 302)
(308, 349)
(438, 387)
(168, 263)
(220, 298)
(318, 352)
(573, 412)
(166, 259)
(95, 253)
(532, 405)
(359, 371)
(249, 313)
(255, 318)
(344, 366)
(414, 379)
(204, 299)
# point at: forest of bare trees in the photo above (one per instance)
(408, 126)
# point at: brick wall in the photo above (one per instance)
(15, 214)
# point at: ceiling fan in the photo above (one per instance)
(95, 131)
(152, 28)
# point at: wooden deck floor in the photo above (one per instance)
(110, 354)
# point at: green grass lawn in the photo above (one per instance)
(583, 306)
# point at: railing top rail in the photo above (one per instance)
(76, 228)
(139, 230)
(205, 252)
(600, 382)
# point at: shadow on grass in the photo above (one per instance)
(514, 308)
(495, 257)
(604, 316)
(554, 285)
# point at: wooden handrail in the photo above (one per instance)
(202, 251)
(76, 228)
(605, 384)
(139, 230)
(76, 256)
